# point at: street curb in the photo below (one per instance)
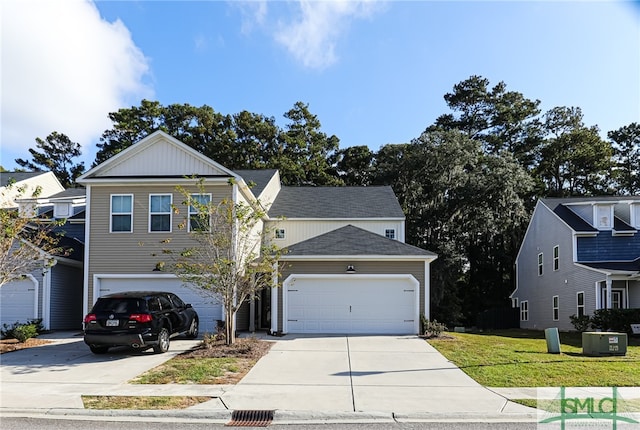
(280, 416)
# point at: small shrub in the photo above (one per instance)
(431, 328)
(580, 323)
(615, 319)
(22, 331)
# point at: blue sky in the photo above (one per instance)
(373, 72)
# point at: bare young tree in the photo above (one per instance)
(229, 260)
(26, 242)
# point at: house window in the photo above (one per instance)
(160, 212)
(580, 300)
(556, 258)
(121, 213)
(635, 215)
(390, 233)
(199, 219)
(280, 234)
(524, 310)
(556, 308)
(540, 266)
(604, 217)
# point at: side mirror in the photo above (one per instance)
(188, 305)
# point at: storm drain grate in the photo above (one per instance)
(250, 419)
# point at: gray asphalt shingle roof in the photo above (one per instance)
(5, 177)
(350, 240)
(259, 177)
(336, 202)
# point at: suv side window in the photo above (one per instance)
(177, 302)
(154, 304)
(165, 304)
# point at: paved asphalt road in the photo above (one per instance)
(40, 424)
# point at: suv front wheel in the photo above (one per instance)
(193, 329)
(163, 341)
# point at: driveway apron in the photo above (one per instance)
(399, 374)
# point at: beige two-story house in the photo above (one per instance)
(346, 268)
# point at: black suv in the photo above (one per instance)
(139, 319)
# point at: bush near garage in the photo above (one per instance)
(22, 331)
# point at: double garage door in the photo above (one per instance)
(208, 309)
(351, 304)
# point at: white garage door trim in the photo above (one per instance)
(206, 325)
(405, 278)
(34, 313)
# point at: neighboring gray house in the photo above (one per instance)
(53, 294)
(578, 255)
(347, 269)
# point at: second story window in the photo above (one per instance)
(540, 265)
(160, 212)
(280, 233)
(604, 217)
(556, 258)
(635, 215)
(390, 233)
(122, 213)
(198, 212)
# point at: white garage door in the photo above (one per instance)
(209, 311)
(17, 301)
(357, 304)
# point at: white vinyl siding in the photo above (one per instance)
(160, 212)
(555, 303)
(121, 213)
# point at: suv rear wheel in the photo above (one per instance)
(193, 329)
(98, 349)
(163, 341)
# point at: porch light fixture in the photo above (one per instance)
(351, 269)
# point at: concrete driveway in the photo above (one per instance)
(54, 375)
(399, 374)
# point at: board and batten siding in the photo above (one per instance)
(133, 253)
(415, 268)
(300, 230)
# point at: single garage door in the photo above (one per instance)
(355, 304)
(17, 301)
(209, 311)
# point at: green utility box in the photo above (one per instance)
(600, 344)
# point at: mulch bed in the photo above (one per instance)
(249, 348)
(9, 345)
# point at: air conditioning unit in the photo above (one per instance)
(599, 344)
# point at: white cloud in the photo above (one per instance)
(253, 14)
(312, 37)
(64, 68)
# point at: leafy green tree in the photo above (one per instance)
(626, 147)
(574, 160)
(305, 150)
(26, 243)
(503, 121)
(56, 154)
(229, 260)
(354, 165)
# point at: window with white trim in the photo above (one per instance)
(390, 233)
(199, 219)
(635, 215)
(524, 310)
(280, 233)
(604, 217)
(540, 265)
(160, 212)
(556, 307)
(121, 213)
(580, 303)
(556, 258)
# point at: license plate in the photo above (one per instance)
(113, 323)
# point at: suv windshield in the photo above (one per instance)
(118, 306)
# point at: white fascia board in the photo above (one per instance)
(147, 181)
(358, 257)
(339, 219)
(608, 272)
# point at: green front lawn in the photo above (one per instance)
(519, 358)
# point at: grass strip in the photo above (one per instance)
(142, 402)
